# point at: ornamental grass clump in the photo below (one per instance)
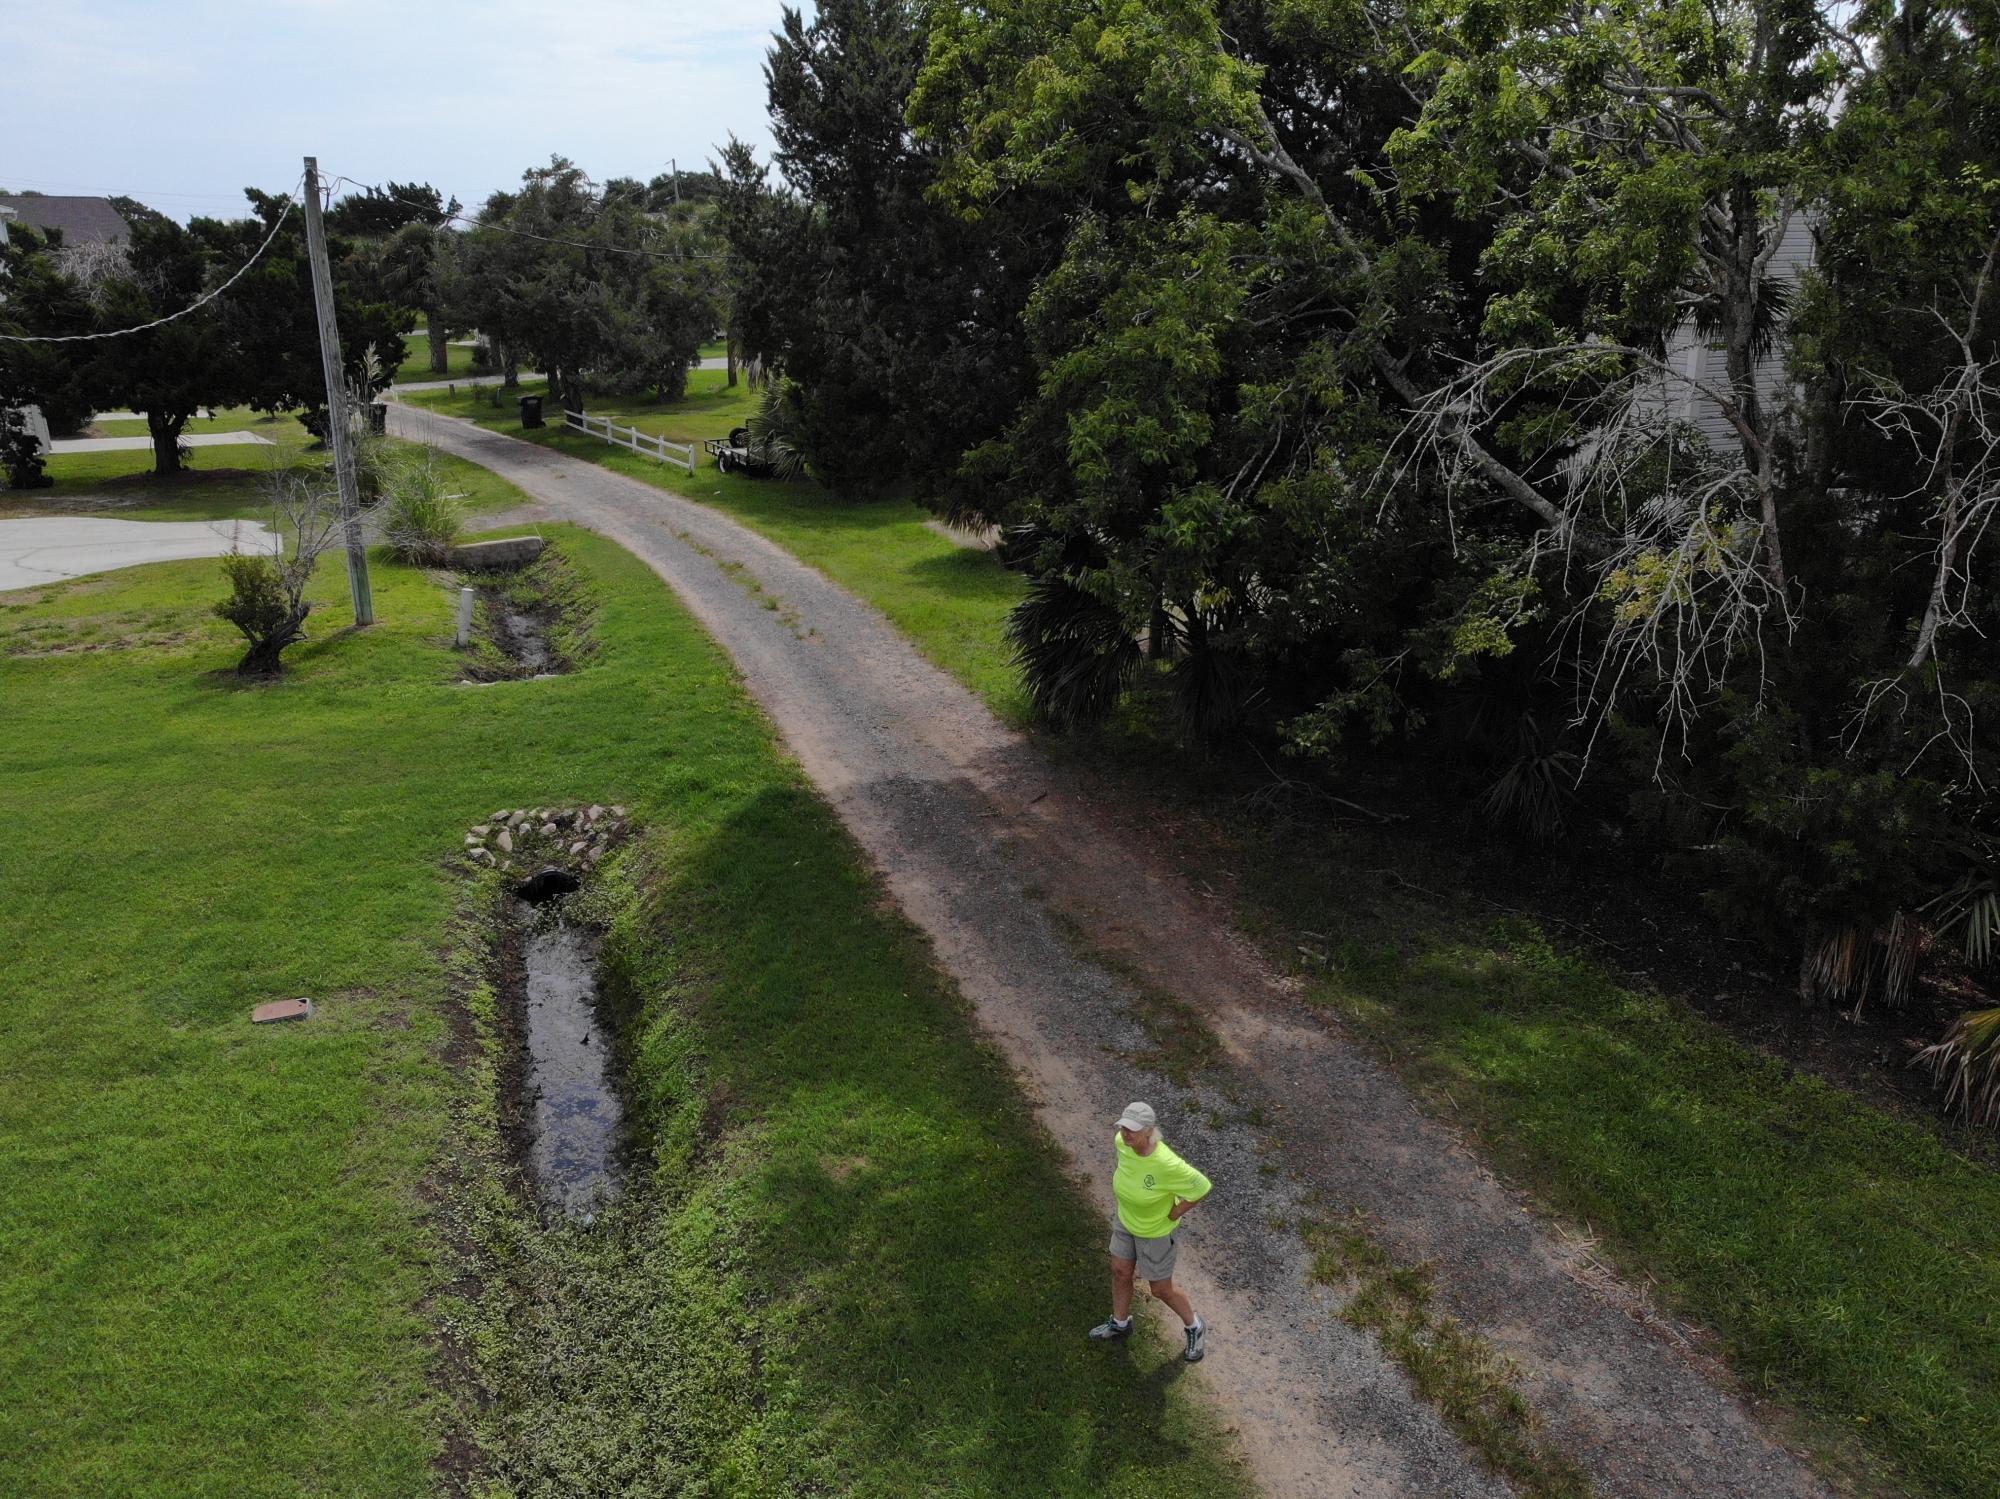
(420, 518)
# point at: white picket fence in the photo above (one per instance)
(681, 453)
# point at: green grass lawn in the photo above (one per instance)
(416, 363)
(217, 484)
(950, 599)
(1844, 1257)
(282, 429)
(217, 481)
(214, 1239)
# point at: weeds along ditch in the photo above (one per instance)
(603, 1333)
(564, 1307)
(533, 621)
(550, 1213)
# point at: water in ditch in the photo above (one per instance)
(523, 637)
(575, 1123)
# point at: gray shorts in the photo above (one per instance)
(1155, 1257)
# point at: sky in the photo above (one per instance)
(183, 103)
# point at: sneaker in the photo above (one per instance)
(1197, 1337)
(1111, 1330)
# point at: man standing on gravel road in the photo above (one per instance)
(1155, 1188)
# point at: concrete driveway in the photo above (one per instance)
(51, 548)
(137, 444)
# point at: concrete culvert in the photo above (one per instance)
(545, 884)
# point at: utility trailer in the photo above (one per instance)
(741, 453)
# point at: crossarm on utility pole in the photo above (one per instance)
(338, 432)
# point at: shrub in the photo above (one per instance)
(1537, 788)
(270, 616)
(1077, 650)
(267, 595)
(1969, 911)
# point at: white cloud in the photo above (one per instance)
(183, 105)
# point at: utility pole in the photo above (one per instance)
(674, 165)
(337, 430)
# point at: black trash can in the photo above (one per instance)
(531, 411)
(378, 418)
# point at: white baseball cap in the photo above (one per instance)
(1138, 1116)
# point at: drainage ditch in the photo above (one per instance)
(574, 1117)
(560, 1086)
(522, 637)
(533, 621)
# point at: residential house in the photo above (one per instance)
(82, 221)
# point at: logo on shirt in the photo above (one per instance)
(1149, 1181)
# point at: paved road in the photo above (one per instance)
(463, 380)
(525, 375)
(52, 548)
(134, 444)
(973, 831)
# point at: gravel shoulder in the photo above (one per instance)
(979, 840)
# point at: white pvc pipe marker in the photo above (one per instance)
(464, 617)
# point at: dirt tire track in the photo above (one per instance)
(973, 833)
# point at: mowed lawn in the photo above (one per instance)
(214, 1241)
(218, 482)
(215, 480)
(1845, 1258)
(951, 600)
(416, 363)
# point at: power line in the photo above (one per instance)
(195, 306)
(547, 239)
(86, 189)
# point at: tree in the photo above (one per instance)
(1352, 393)
(256, 345)
(172, 371)
(417, 270)
(898, 320)
(400, 232)
(584, 282)
(271, 318)
(39, 296)
(379, 213)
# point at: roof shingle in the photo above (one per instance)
(83, 221)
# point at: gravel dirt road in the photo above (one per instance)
(980, 840)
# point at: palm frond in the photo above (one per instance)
(1537, 789)
(1075, 650)
(778, 427)
(1212, 693)
(1966, 1064)
(1837, 967)
(1850, 963)
(1971, 908)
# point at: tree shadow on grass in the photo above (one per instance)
(940, 1269)
(965, 571)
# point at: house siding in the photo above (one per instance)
(1698, 359)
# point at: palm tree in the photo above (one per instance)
(1967, 1061)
